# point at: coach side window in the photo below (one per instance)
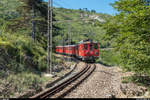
(76, 47)
(70, 48)
(91, 47)
(95, 46)
(86, 46)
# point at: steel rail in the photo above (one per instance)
(50, 92)
(73, 85)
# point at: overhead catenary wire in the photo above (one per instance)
(60, 5)
(66, 4)
(62, 2)
(69, 29)
(57, 4)
(50, 22)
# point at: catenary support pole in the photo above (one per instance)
(49, 37)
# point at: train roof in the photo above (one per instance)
(69, 46)
(87, 41)
(59, 46)
(66, 46)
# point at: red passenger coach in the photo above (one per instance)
(69, 50)
(59, 49)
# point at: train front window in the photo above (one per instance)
(95, 46)
(70, 49)
(86, 46)
(91, 47)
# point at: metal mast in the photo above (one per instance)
(68, 38)
(49, 34)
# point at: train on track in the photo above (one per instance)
(86, 50)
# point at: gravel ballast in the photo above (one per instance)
(105, 82)
(98, 85)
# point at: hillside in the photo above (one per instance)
(81, 24)
(123, 38)
(23, 55)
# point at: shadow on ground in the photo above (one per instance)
(107, 65)
(141, 80)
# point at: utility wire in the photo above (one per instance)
(69, 28)
(66, 4)
(57, 4)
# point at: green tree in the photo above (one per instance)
(17, 18)
(131, 34)
(93, 11)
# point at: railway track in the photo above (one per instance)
(68, 85)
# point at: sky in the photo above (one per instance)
(100, 6)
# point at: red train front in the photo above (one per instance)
(86, 50)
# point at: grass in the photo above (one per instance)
(19, 83)
(126, 79)
(109, 58)
(17, 78)
(139, 80)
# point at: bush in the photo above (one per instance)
(23, 50)
(109, 57)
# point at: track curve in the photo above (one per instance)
(67, 86)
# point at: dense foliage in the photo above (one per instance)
(23, 28)
(129, 30)
(23, 41)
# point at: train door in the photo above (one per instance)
(96, 49)
(77, 50)
(91, 49)
(81, 50)
(86, 48)
(73, 51)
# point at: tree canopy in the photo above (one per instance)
(131, 34)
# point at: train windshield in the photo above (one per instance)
(95, 46)
(86, 46)
(91, 47)
(70, 48)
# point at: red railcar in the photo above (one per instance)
(59, 49)
(88, 50)
(85, 50)
(69, 50)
